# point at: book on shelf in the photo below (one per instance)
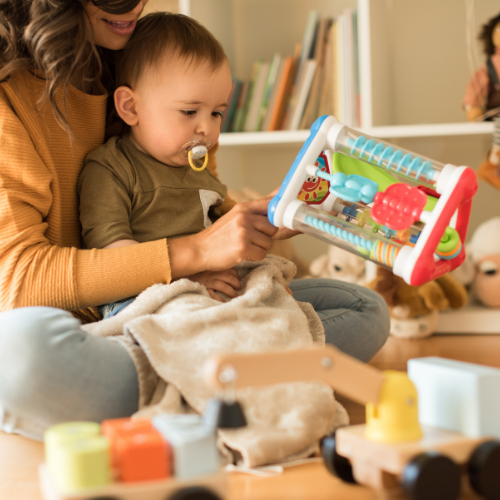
(302, 93)
(311, 110)
(240, 106)
(270, 111)
(241, 125)
(228, 118)
(288, 92)
(271, 78)
(284, 91)
(256, 97)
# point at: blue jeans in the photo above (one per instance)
(51, 371)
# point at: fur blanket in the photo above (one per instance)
(178, 326)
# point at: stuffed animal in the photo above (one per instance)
(481, 268)
(340, 265)
(414, 310)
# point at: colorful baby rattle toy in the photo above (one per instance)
(386, 204)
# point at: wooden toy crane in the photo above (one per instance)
(393, 450)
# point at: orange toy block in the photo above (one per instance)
(139, 451)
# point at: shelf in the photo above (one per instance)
(389, 132)
(472, 319)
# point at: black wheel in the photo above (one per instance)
(484, 470)
(194, 493)
(104, 498)
(336, 464)
(431, 476)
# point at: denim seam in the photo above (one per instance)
(361, 301)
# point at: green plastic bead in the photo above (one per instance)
(449, 241)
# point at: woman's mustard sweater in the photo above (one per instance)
(41, 262)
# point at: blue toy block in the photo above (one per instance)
(193, 444)
(457, 396)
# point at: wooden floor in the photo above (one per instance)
(19, 458)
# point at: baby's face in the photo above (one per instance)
(177, 104)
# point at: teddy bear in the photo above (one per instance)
(339, 265)
(481, 268)
(414, 310)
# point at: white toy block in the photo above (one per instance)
(457, 396)
(193, 444)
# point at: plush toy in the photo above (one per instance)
(340, 265)
(481, 268)
(415, 310)
(482, 97)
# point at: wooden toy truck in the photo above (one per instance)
(393, 451)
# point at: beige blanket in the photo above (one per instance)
(178, 326)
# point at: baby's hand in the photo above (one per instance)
(227, 282)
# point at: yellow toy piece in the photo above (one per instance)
(395, 418)
(80, 463)
(57, 435)
(193, 166)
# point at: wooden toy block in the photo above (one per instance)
(113, 428)
(141, 456)
(212, 487)
(193, 444)
(457, 396)
(80, 463)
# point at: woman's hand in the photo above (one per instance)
(227, 282)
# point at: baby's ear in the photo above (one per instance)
(125, 105)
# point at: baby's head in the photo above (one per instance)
(173, 85)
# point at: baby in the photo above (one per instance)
(173, 84)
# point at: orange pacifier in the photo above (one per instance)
(194, 150)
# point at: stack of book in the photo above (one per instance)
(289, 93)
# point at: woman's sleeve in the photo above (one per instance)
(35, 272)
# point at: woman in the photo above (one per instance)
(56, 70)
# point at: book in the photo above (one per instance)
(271, 77)
(302, 93)
(308, 38)
(283, 88)
(311, 110)
(257, 96)
(338, 83)
(277, 122)
(231, 106)
(274, 95)
(248, 97)
(290, 97)
(240, 105)
(326, 99)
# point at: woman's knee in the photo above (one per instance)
(377, 315)
(29, 339)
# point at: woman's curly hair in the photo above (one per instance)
(486, 35)
(53, 37)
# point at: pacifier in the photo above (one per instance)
(194, 150)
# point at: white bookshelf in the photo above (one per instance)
(387, 132)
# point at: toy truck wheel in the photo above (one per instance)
(431, 476)
(104, 498)
(336, 464)
(194, 493)
(484, 467)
